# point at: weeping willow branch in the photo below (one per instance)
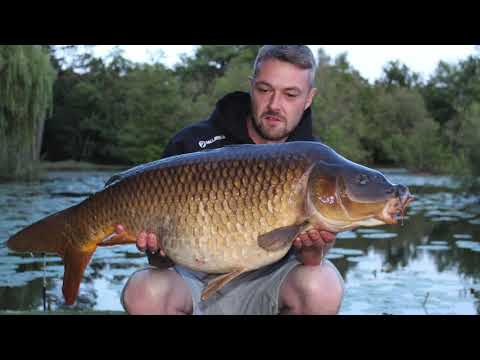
(26, 98)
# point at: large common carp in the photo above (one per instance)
(223, 211)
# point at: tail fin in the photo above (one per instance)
(54, 235)
(47, 235)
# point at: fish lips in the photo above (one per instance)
(396, 207)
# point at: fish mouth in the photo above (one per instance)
(395, 208)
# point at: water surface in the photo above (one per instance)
(430, 265)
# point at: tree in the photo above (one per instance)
(153, 113)
(26, 83)
(404, 132)
(467, 140)
(453, 97)
(198, 73)
(339, 109)
(396, 74)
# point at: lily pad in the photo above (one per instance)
(434, 213)
(346, 252)
(470, 245)
(380, 236)
(433, 247)
(357, 259)
(439, 242)
(346, 235)
(330, 256)
(443, 219)
(370, 231)
(462, 236)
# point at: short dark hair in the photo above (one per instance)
(299, 55)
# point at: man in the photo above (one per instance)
(276, 110)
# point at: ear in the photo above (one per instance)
(310, 96)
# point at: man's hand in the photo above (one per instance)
(313, 245)
(145, 241)
(148, 242)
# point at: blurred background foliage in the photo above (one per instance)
(61, 102)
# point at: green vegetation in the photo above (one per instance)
(113, 111)
(26, 80)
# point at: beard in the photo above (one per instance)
(267, 134)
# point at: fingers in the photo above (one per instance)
(152, 244)
(119, 229)
(328, 236)
(301, 240)
(149, 242)
(313, 237)
(145, 241)
(142, 241)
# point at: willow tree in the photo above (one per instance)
(26, 87)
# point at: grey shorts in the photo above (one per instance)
(253, 293)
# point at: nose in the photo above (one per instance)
(274, 101)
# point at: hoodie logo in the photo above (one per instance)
(203, 143)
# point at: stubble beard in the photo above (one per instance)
(257, 125)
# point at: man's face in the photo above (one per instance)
(280, 94)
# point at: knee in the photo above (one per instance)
(316, 290)
(145, 293)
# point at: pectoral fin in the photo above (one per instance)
(279, 238)
(219, 282)
(118, 239)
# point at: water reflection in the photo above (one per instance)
(431, 264)
(429, 256)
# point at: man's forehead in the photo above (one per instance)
(282, 74)
(287, 87)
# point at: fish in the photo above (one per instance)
(224, 211)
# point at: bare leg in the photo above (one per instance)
(312, 290)
(154, 291)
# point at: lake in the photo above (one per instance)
(430, 265)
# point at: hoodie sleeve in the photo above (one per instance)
(174, 147)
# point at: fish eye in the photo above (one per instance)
(362, 179)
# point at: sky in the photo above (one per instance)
(369, 60)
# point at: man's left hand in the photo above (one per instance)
(313, 245)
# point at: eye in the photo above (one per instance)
(291, 95)
(362, 179)
(262, 89)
